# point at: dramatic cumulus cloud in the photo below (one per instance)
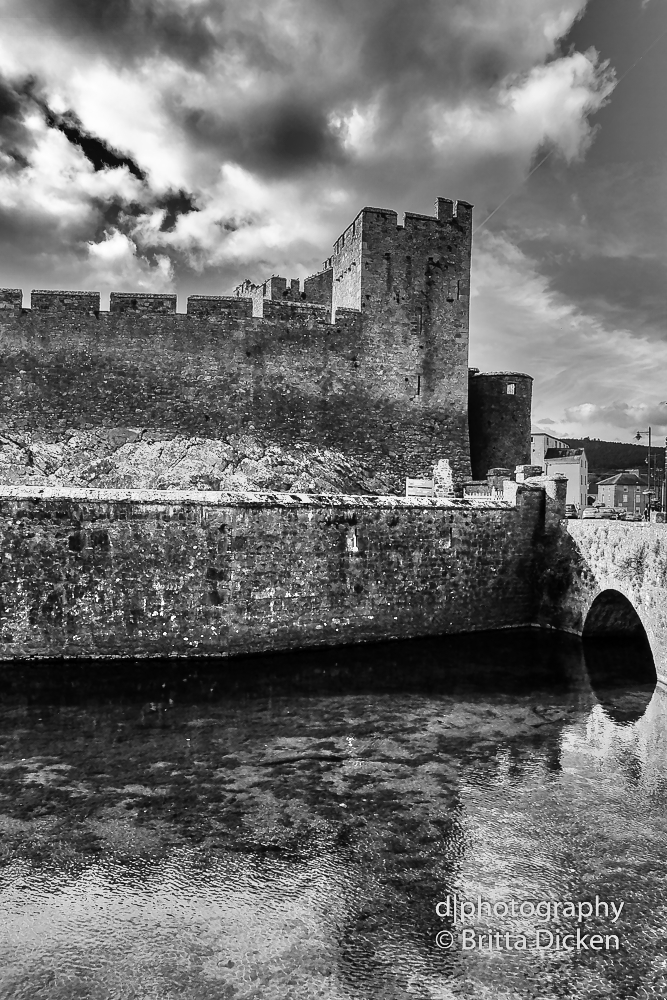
(634, 418)
(150, 141)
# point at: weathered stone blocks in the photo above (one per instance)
(112, 573)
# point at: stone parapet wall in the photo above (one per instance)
(99, 573)
(250, 498)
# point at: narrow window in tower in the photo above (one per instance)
(419, 385)
(510, 388)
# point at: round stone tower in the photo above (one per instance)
(499, 418)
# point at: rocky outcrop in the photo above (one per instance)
(129, 457)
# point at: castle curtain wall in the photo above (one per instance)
(385, 382)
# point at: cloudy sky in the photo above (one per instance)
(187, 144)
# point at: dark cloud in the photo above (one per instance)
(280, 136)
(17, 99)
(15, 140)
(175, 205)
(421, 47)
(129, 29)
(401, 56)
(97, 152)
(629, 291)
(10, 109)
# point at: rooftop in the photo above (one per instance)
(624, 479)
(563, 454)
(537, 431)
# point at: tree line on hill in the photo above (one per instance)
(605, 458)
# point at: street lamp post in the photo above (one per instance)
(664, 472)
(638, 436)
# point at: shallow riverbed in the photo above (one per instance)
(285, 826)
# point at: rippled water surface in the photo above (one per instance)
(285, 827)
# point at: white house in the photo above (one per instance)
(555, 455)
(570, 462)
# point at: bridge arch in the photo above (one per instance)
(611, 614)
(618, 647)
(599, 571)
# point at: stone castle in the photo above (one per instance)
(363, 373)
(364, 369)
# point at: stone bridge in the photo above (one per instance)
(607, 578)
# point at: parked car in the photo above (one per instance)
(608, 513)
(571, 511)
(591, 512)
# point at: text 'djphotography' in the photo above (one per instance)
(554, 925)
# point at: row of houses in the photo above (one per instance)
(626, 490)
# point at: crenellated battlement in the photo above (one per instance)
(144, 302)
(302, 314)
(318, 287)
(274, 288)
(219, 306)
(11, 299)
(43, 300)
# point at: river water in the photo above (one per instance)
(285, 827)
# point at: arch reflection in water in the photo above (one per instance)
(618, 657)
(630, 745)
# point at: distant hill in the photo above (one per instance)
(608, 457)
(616, 455)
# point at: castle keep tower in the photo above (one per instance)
(411, 283)
(410, 286)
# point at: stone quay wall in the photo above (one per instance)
(94, 573)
